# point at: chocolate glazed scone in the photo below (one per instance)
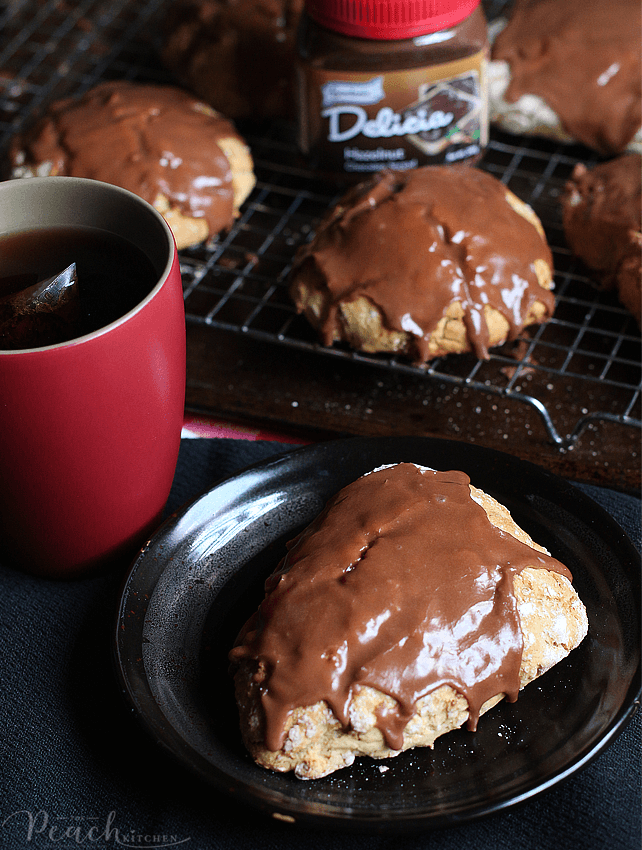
(602, 218)
(437, 260)
(157, 141)
(238, 55)
(569, 70)
(409, 607)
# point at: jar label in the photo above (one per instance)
(356, 123)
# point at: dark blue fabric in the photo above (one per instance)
(73, 759)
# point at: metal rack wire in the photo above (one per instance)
(238, 283)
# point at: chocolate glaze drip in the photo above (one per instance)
(583, 58)
(412, 243)
(401, 584)
(602, 206)
(602, 216)
(149, 139)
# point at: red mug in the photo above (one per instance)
(90, 428)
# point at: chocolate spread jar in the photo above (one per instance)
(391, 84)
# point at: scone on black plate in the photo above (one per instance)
(238, 55)
(602, 219)
(157, 141)
(410, 606)
(569, 70)
(428, 262)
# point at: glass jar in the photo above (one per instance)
(391, 84)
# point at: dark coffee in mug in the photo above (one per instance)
(112, 277)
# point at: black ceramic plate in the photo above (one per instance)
(202, 574)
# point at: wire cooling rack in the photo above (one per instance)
(588, 352)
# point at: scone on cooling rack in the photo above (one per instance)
(380, 631)
(602, 219)
(433, 261)
(157, 141)
(238, 55)
(569, 70)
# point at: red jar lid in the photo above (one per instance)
(389, 19)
